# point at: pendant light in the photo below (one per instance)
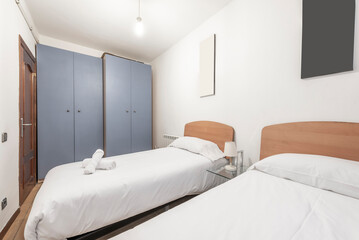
(139, 24)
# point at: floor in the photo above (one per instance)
(16, 231)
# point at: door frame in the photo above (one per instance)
(24, 47)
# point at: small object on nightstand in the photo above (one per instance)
(230, 150)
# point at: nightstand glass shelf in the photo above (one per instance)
(227, 174)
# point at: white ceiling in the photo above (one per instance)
(108, 25)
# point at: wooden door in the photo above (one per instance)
(27, 121)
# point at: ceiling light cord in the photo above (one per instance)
(139, 24)
(139, 19)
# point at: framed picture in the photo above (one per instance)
(207, 66)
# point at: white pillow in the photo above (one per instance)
(334, 174)
(196, 145)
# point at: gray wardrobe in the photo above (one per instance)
(127, 106)
(85, 103)
(69, 105)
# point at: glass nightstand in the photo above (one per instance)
(227, 174)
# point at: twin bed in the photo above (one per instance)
(310, 193)
(70, 203)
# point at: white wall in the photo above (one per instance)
(53, 42)
(69, 46)
(11, 25)
(257, 76)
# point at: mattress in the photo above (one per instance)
(70, 203)
(256, 206)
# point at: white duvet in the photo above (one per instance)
(256, 206)
(70, 203)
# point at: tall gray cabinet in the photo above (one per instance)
(70, 107)
(127, 106)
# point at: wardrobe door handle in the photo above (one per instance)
(134, 111)
(67, 110)
(79, 110)
(126, 111)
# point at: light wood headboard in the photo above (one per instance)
(334, 139)
(212, 131)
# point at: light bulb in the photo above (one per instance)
(139, 27)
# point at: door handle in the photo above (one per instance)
(22, 127)
(134, 111)
(79, 110)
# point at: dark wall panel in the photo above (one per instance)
(328, 37)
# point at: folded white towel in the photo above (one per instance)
(92, 165)
(102, 165)
(90, 169)
(86, 162)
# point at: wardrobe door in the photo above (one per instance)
(55, 108)
(117, 104)
(141, 107)
(88, 105)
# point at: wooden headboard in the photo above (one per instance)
(334, 139)
(212, 131)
